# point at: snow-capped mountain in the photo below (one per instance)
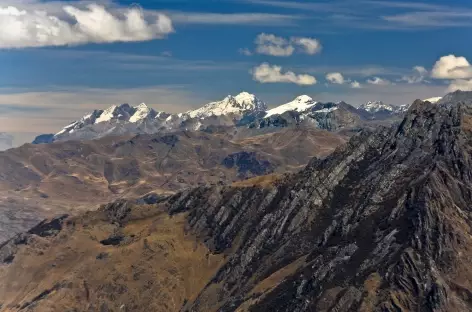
(306, 112)
(402, 108)
(89, 119)
(242, 110)
(433, 99)
(376, 107)
(299, 104)
(237, 105)
(124, 112)
(6, 141)
(121, 119)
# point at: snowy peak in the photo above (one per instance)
(141, 112)
(403, 108)
(376, 107)
(250, 102)
(89, 119)
(122, 112)
(433, 99)
(303, 99)
(240, 104)
(299, 104)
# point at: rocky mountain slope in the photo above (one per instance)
(40, 180)
(243, 110)
(382, 224)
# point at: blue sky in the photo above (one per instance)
(203, 50)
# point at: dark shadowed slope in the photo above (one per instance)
(383, 224)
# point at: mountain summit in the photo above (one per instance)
(236, 105)
(115, 113)
(376, 107)
(299, 104)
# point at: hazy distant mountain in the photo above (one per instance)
(125, 119)
(242, 110)
(6, 141)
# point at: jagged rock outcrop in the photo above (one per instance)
(382, 224)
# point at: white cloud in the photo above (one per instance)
(336, 78)
(421, 70)
(270, 44)
(452, 67)
(243, 19)
(432, 19)
(21, 28)
(266, 73)
(355, 85)
(378, 81)
(460, 84)
(419, 74)
(309, 46)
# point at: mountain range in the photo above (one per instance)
(381, 224)
(242, 110)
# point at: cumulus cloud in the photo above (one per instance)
(269, 44)
(452, 67)
(378, 81)
(336, 78)
(272, 45)
(309, 46)
(355, 85)
(266, 73)
(457, 69)
(20, 28)
(460, 84)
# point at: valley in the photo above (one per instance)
(38, 181)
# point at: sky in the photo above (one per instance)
(62, 59)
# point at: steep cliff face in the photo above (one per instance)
(383, 224)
